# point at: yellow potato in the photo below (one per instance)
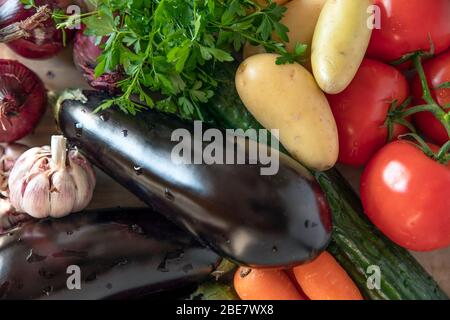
(301, 19)
(340, 41)
(286, 97)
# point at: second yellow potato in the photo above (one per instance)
(340, 42)
(287, 98)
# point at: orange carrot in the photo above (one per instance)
(291, 276)
(264, 284)
(325, 279)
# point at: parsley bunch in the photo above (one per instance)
(172, 46)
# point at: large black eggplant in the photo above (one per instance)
(119, 252)
(255, 220)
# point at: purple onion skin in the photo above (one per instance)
(85, 54)
(45, 41)
(23, 100)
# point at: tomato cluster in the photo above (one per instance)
(405, 187)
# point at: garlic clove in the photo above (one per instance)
(62, 194)
(23, 164)
(76, 157)
(16, 190)
(84, 179)
(36, 198)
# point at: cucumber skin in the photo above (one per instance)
(356, 243)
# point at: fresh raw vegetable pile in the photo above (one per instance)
(338, 82)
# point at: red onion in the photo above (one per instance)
(23, 100)
(85, 54)
(24, 28)
(43, 41)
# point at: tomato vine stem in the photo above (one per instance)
(431, 105)
(442, 156)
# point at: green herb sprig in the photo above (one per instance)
(172, 46)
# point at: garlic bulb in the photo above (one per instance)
(51, 181)
(9, 153)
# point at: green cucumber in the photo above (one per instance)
(356, 244)
(214, 290)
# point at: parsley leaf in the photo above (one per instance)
(171, 46)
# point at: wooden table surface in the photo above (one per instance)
(59, 73)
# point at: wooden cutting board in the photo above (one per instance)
(59, 73)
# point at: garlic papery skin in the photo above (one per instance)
(9, 153)
(51, 181)
(9, 218)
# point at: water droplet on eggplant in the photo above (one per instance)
(137, 229)
(78, 130)
(170, 257)
(47, 290)
(33, 257)
(274, 249)
(138, 170)
(168, 194)
(122, 263)
(174, 255)
(307, 224)
(162, 267)
(104, 117)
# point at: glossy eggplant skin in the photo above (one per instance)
(280, 220)
(123, 253)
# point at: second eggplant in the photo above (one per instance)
(99, 254)
(256, 220)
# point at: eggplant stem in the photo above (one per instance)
(22, 28)
(59, 152)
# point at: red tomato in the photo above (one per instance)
(406, 195)
(437, 71)
(406, 26)
(361, 110)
